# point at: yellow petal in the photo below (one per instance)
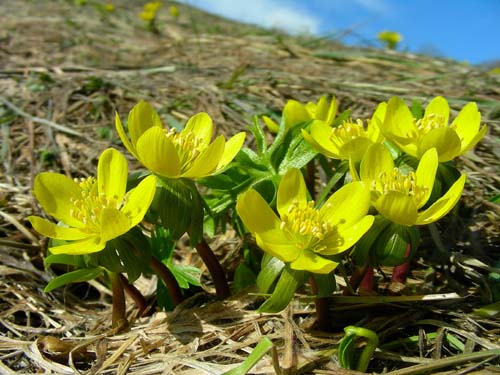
(321, 133)
(123, 136)
(376, 160)
(256, 213)
(375, 123)
(55, 192)
(200, 124)
(309, 261)
(338, 242)
(271, 124)
(444, 140)
(206, 163)
(88, 246)
(275, 243)
(332, 112)
(438, 106)
(112, 172)
(51, 230)
(398, 119)
(139, 199)
(353, 170)
(321, 109)
(231, 149)
(294, 113)
(426, 173)
(347, 205)
(114, 223)
(475, 140)
(141, 118)
(397, 207)
(157, 153)
(443, 205)
(467, 123)
(292, 188)
(354, 149)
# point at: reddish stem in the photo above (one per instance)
(170, 282)
(135, 294)
(400, 272)
(323, 317)
(367, 280)
(119, 318)
(215, 269)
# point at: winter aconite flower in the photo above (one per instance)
(172, 154)
(415, 137)
(399, 196)
(348, 140)
(304, 235)
(390, 38)
(295, 112)
(149, 11)
(91, 211)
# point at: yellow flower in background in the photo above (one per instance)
(109, 7)
(172, 154)
(399, 197)
(415, 137)
(149, 10)
(303, 235)
(390, 38)
(350, 139)
(174, 11)
(295, 112)
(92, 211)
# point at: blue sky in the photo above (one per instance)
(465, 30)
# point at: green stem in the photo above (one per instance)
(168, 278)
(339, 173)
(135, 294)
(369, 349)
(119, 318)
(215, 269)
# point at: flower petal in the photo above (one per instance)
(377, 159)
(157, 153)
(467, 123)
(347, 205)
(200, 124)
(309, 261)
(354, 149)
(141, 118)
(321, 133)
(90, 245)
(139, 199)
(271, 124)
(338, 242)
(445, 140)
(123, 136)
(206, 163)
(256, 213)
(438, 106)
(292, 188)
(397, 207)
(114, 223)
(55, 192)
(426, 173)
(112, 172)
(332, 112)
(398, 119)
(275, 243)
(51, 230)
(475, 140)
(443, 205)
(294, 113)
(232, 147)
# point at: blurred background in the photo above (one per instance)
(463, 30)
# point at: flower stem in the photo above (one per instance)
(323, 317)
(400, 272)
(119, 318)
(215, 269)
(135, 294)
(366, 284)
(168, 278)
(369, 349)
(356, 278)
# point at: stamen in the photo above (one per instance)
(187, 145)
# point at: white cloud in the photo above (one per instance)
(267, 13)
(379, 6)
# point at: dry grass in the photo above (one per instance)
(66, 69)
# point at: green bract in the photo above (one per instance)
(91, 211)
(303, 235)
(187, 154)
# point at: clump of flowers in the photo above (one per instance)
(149, 15)
(390, 39)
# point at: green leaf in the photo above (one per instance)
(364, 247)
(346, 353)
(76, 276)
(326, 284)
(390, 248)
(341, 118)
(284, 291)
(298, 155)
(416, 109)
(71, 260)
(185, 275)
(271, 268)
(260, 137)
(243, 277)
(256, 355)
(495, 199)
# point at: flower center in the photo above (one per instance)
(347, 131)
(88, 206)
(395, 181)
(187, 145)
(306, 225)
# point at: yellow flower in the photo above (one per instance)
(187, 154)
(174, 11)
(149, 11)
(415, 137)
(303, 235)
(109, 7)
(390, 38)
(295, 112)
(348, 140)
(91, 211)
(399, 197)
